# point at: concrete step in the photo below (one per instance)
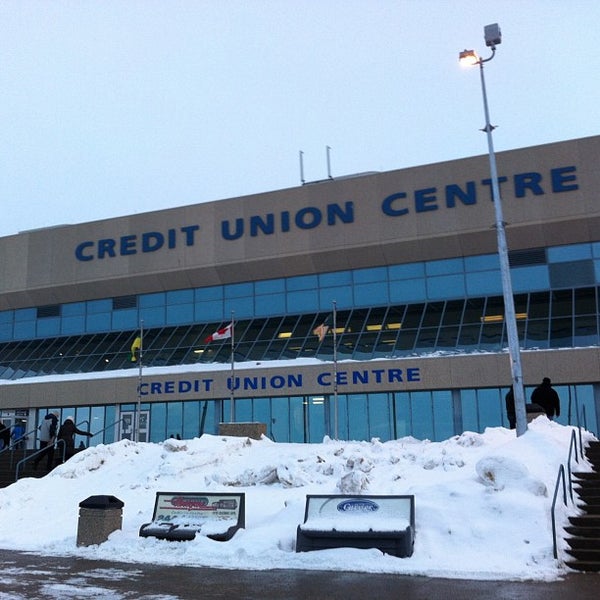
(584, 566)
(585, 555)
(584, 543)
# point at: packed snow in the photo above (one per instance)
(482, 501)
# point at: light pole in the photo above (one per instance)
(493, 37)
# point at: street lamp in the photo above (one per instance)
(493, 37)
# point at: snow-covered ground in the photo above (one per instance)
(482, 501)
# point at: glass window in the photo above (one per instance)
(125, 319)
(443, 419)
(24, 330)
(380, 417)
(484, 262)
(179, 314)
(358, 418)
(97, 322)
(99, 306)
(48, 327)
(191, 420)
(280, 420)
(370, 294)
(272, 305)
(316, 418)
(410, 271)
(239, 290)
(470, 412)
(585, 301)
(180, 297)
(241, 307)
(302, 301)
(374, 274)
(305, 282)
(403, 414)
(153, 317)
(483, 283)
(525, 279)
(341, 295)
(270, 286)
(422, 415)
(491, 408)
(439, 288)
(410, 290)
(568, 253)
(205, 312)
(209, 293)
(73, 309)
(152, 300)
(444, 267)
(335, 279)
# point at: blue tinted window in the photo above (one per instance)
(242, 307)
(208, 311)
(73, 309)
(484, 283)
(209, 293)
(71, 325)
(449, 286)
(125, 319)
(180, 297)
(411, 271)
(380, 417)
(180, 314)
(470, 414)
(443, 415)
(370, 294)
(341, 295)
(6, 331)
(568, 253)
(411, 290)
(403, 414)
(270, 286)
(526, 279)
(484, 262)
(24, 330)
(152, 300)
(99, 306)
(302, 301)
(596, 249)
(25, 314)
(490, 408)
(6, 316)
(369, 275)
(422, 421)
(443, 267)
(153, 317)
(274, 304)
(335, 279)
(48, 327)
(358, 417)
(239, 290)
(306, 282)
(97, 322)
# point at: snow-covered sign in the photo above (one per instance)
(181, 515)
(384, 522)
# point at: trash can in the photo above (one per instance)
(99, 516)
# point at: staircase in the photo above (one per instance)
(584, 530)
(8, 465)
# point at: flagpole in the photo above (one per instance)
(139, 395)
(232, 399)
(335, 379)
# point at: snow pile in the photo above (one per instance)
(482, 501)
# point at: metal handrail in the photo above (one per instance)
(562, 477)
(107, 427)
(59, 443)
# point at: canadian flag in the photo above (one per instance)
(220, 334)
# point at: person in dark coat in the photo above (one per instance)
(4, 435)
(47, 428)
(511, 415)
(67, 433)
(545, 395)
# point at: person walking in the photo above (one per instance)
(47, 430)
(67, 432)
(547, 397)
(511, 414)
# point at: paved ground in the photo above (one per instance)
(32, 577)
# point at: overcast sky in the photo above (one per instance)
(116, 107)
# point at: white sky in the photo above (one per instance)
(482, 501)
(109, 108)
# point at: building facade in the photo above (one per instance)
(399, 270)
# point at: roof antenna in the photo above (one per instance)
(302, 167)
(328, 162)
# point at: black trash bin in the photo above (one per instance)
(99, 516)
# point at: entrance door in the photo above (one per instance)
(128, 425)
